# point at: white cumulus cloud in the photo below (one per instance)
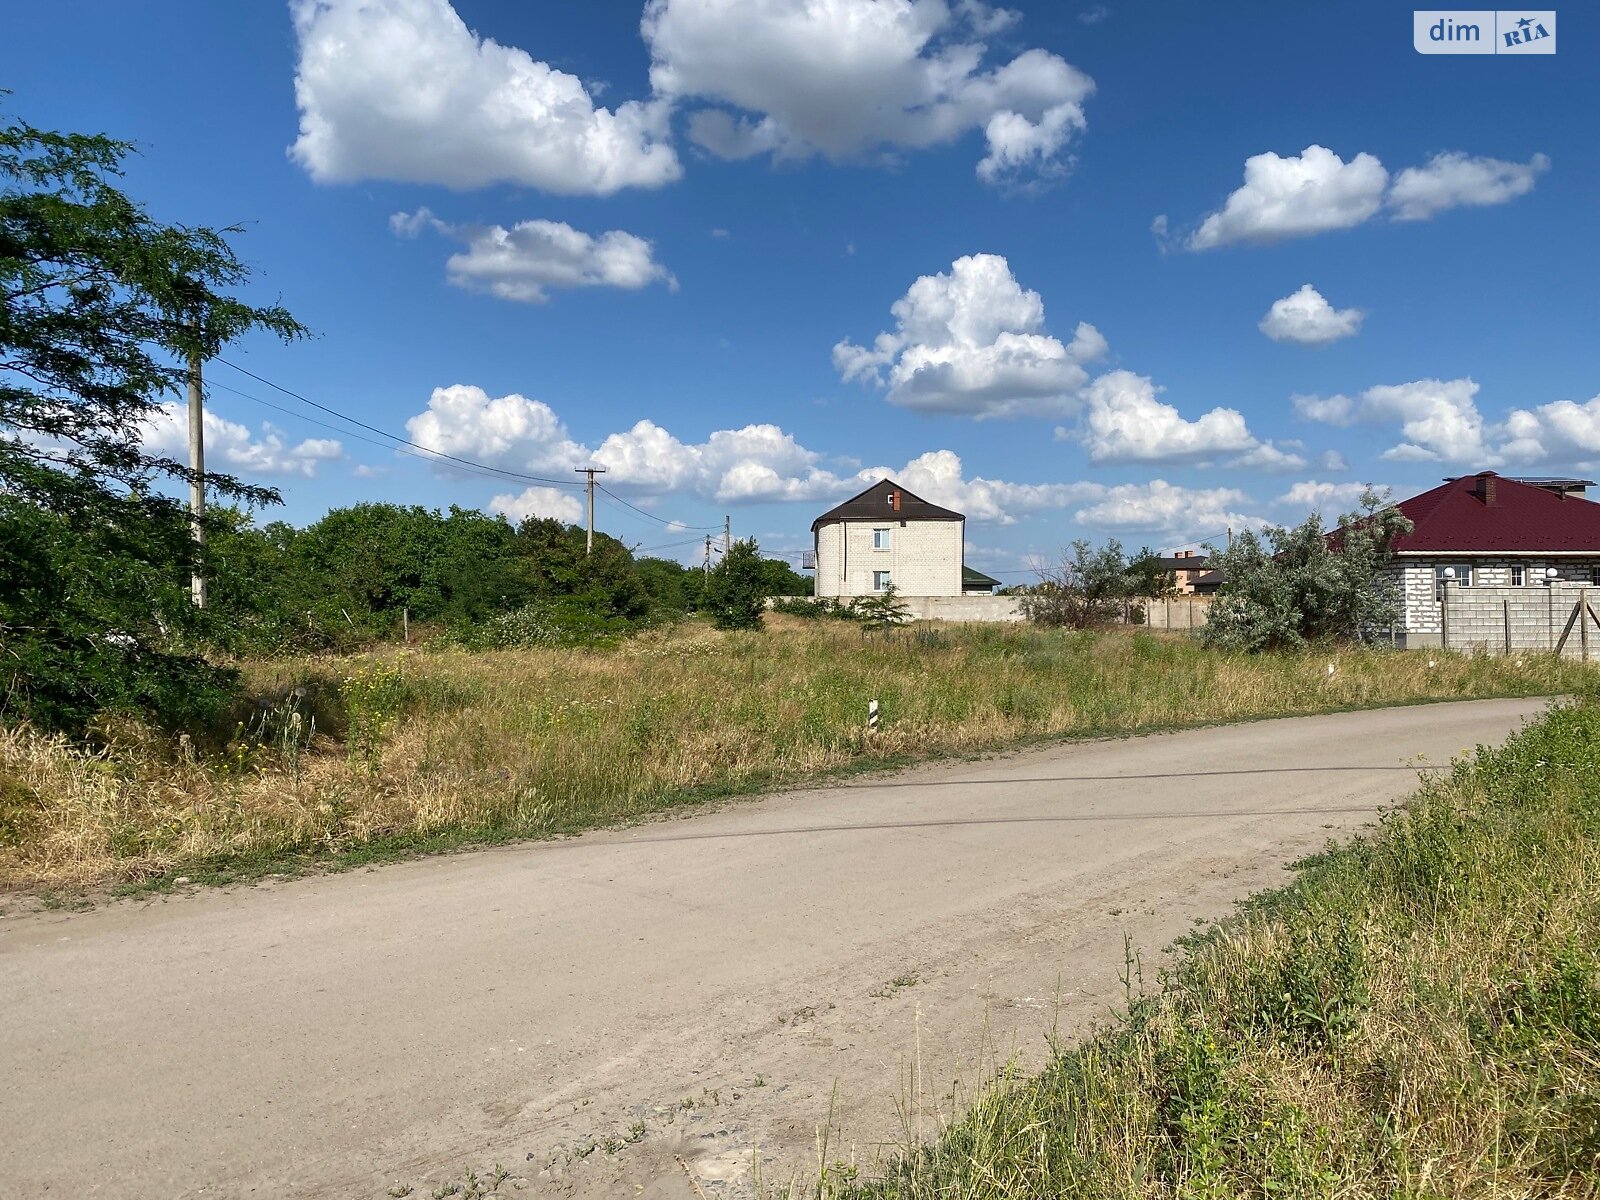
(1316, 191)
(758, 463)
(1313, 495)
(1439, 418)
(1454, 179)
(849, 78)
(973, 342)
(1159, 507)
(509, 432)
(1124, 421)
(1563, 432)
(1305, 317)
(1441, 422)
(524, 262)
(233, 449)
(402, 90)
(938, 476)
(1295, 195)
(546, 502)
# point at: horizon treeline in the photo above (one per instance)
(366, 572)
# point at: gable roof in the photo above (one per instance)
(1486, 513)
(878, 503)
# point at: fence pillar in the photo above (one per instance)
(1583, 622)
(1444, 616)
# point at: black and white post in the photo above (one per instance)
(872, 716)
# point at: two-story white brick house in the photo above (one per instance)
(888, 536)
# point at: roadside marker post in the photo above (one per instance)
(872, 716)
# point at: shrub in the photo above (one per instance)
(736, 595)
(883, 611)
(1286, 588)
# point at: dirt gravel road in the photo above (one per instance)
(635, 1012)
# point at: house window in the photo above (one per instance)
(880, 539)
(880, 581)
(1457, 573)
(1594, 576)
(1519, 575)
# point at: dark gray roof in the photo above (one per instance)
(876, 504)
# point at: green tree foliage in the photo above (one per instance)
(1148, 578)
(780, 579)
(604, 582)
(735, 593)
(1091, 587)
(102, 307)
(671, 586)
(1289, 587)
(885, 610)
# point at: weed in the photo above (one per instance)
(350, 761)
(1418, 1014)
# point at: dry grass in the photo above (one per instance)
(427, 749)
(1419, 1015)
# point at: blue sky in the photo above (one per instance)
(744, 253)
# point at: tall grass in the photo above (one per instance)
(340, 759)
(1418, 1015)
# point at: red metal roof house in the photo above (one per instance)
(1486, 530)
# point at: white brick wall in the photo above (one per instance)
(1420, 605)
(923, 558)
(1500, 620)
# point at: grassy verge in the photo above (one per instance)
(372, 757)
(1417, 1015)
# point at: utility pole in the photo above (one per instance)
(708, 556)
(727, 534)
(590, 472)
(197, 468)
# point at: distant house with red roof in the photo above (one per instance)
(1486, 530)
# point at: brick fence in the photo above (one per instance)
(1177, 612)
(984, 609)
(1513, 620)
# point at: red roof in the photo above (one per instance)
(1487, 513)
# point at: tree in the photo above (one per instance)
(780, 579)
(885, 610)
(1087, 590)
(103, 306)
(735, 594)
(603, 582)
(1289, 587)
(671, 586)
(1149, 578)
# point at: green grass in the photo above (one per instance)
(341, 762)
(1417, 1015)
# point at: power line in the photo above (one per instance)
(343, 432)
(651, 515)
(465, 462)
(667, 545)
(415, 450)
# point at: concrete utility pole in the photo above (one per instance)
(708, 556)
(197, 465)
(591, 472)
(727, 534)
